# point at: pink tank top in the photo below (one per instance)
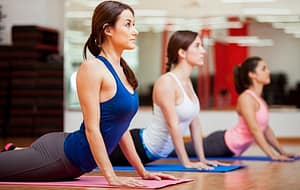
(239, 138)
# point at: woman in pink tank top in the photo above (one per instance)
(253, 124)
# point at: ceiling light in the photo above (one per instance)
(266, 11)
(283, 18)
(150, 12)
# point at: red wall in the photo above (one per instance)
(227, 56)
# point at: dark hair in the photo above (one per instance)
(179, 40)
(106, 14)
(240, 72)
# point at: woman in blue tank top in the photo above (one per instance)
(106, 90)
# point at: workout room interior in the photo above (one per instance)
(41, 43)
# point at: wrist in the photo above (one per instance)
(143, 173)
(110, 176)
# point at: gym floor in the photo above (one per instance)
(259, 175)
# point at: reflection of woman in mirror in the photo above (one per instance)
(253, 125)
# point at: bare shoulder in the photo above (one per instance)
(164, 82)
(91, 67)
(246, 100)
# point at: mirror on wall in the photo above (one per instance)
(230, 31)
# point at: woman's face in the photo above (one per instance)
(262, 73)
(124, 33)
(195, 53)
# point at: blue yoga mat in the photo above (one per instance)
(252, 158)
(246, 158)
(180, 168)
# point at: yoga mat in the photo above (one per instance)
(247, 158)
(250, 158)
(99, 181)
(180, 168)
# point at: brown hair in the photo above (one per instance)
(106, 14)
(240, 73)
(179, 40)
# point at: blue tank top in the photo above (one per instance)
(115, 117)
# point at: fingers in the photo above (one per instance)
(281, 158)
(126, 182)
(202, 166)
(159, 176)
(166, 176)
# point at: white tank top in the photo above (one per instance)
(156, 136)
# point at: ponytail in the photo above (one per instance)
(239, 87)
(129, 74)
(91, 45)
(241, 72)
(168, 66)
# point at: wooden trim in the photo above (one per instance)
(289, 139)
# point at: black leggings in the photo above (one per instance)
(117, 157)
(214, 146)
(44, 160)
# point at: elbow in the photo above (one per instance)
(89, 131)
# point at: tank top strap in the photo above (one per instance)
(177, 81)
(257, 98)
(109, 67)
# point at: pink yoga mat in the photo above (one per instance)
(99, 181)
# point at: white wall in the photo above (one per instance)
(33, 12)
(284, 123)
(149, 59)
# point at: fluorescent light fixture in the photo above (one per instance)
(247, 41)
(225, 25)
(247, 1)
(151, 12)
(289, 27)
(283, 18)
(266, 11)
(152, 21)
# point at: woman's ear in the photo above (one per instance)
(107, 30)
(251, 75)
(181, 53)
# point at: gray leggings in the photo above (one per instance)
(44, 160)
(214, 146)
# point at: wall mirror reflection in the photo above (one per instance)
(231, 30)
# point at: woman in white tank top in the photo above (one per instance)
(175, 107)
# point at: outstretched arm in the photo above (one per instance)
(90, 79)
(247, 107)
(197, 139)
(128, 148)
(272, 140)
(88, 88)
(164, 96)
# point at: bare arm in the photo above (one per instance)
(89, 82)
(128, 148)
(272, 140)
(248, 106)
(164, 95)
(197, 138)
